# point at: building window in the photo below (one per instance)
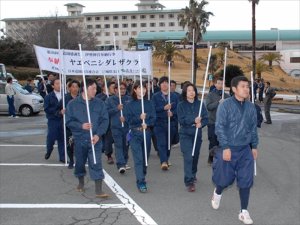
(116, 25)
(98, 33)
(161, 16)
(162, 24)
(97, 18)
(143, 16)
(152, 16)
(98, 26)
(171, 15)
(124, 17)
(143, 24)
(107, 26)
(107, 42)
(89, 26)
(152, 24)
(171, 24)
(116, 33)
(107, 33)
(133, 33)
(133, 25)
(133, 17)
(125, 25)
(106, 17)
(295, 60)
(115, 17)
(124, 33)
(89, 18)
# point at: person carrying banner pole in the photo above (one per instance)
(202, 98)
(169, 102)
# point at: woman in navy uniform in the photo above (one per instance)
(135, 117)
(189, 120)
(119, 132)
(163, 111)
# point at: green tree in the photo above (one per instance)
(15, 52)
(270, 58)
(167, 52)
(254, 3)
(132, 42)
(261, 67)
(231, 72)
(195, 18)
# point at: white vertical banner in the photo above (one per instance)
(224, 73)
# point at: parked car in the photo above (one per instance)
(26, 103)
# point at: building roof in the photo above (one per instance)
(74, 4)
(132, 12)
(42, 18)
(246, 35)
(218, 36)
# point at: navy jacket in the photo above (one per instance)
(159, 103)
(52, 107)
(112, 106)
(236, 124)
(133, 110)
(76, 115)
(187, 112)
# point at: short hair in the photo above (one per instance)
(173, 82)
(135, 86)
(73, 82)
(122, 84)
(110, 83)
(89, 82)
(219, 78)
(29, 79)
(236, 80)
(155, 78)
(268, 83)
(53, 81)
(184, 90)
(163, 79)
(9, 79)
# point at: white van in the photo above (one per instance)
(26, 103)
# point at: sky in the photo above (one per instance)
(228, 15)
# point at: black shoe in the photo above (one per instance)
(47, 155)
(267, 122)
(62, 161)
(71, 166)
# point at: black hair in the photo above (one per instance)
(219, 78)
(9, 79)
(184, 83)
(89, 82)
(110, 83)
(173, 82)
(53, 81)
(155, 78)
(268, 83)
(184, 91)
(135, 86)
(73, 82)
(236, 80)
(163, 79)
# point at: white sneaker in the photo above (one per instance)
(215, 201)
(127, 167)
(122, 170)
(16, 117)
(245, 217)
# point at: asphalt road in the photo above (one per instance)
(48, 187)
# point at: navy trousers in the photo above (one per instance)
(56, 133)
(121, 146)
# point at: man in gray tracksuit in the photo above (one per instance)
(213, 100)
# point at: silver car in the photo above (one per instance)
(26, 103)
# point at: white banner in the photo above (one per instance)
(109, 63)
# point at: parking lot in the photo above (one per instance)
(34, 191)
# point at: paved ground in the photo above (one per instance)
(34, 191)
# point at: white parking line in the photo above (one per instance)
(143, 217)
(62, 206)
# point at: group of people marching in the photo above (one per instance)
(126, 116)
